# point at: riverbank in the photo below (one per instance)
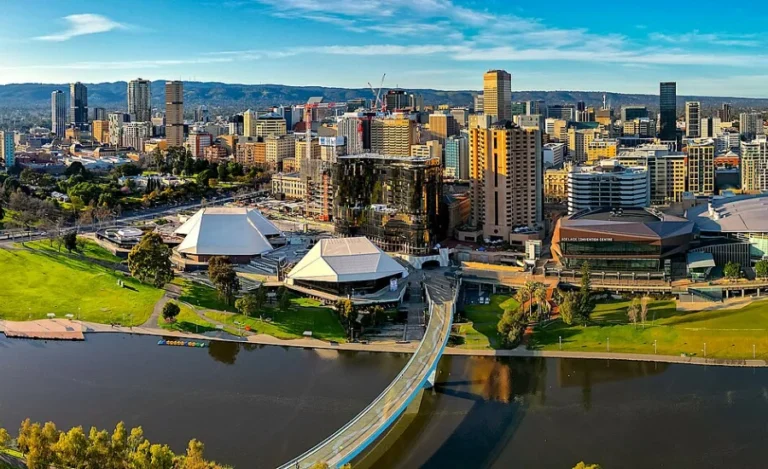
(395, 347)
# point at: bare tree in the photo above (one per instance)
(633, 310)
(644, 302)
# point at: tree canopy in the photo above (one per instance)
(150, 261)
(224, 278)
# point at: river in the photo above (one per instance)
(255, 407)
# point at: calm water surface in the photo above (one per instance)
(256, 407)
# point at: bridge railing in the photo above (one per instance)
(386, 407)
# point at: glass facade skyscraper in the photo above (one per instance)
(668, 111)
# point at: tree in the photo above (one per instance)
(511, 328)
(161, 457)
(583, 465)
(170, 311)
(224, 278)
(72, 447)
(732, 270)
(247, 305)
(644, 302)
(540, 295)
(586, 302)
(222, 172)
(285, 300)
(203, 177)
(150, 261)
(569, 307)
(194, 457)
(75, 168)
(5, 438)
(633, 311)
(69, 240)
(99, 447)
(761, 268)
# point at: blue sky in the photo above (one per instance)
(444, 44)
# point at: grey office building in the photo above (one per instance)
(78, 104)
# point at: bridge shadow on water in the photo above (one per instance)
(468, 422)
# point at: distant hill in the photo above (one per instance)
(231, 97)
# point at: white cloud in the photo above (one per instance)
(83, 24)
(732, 40)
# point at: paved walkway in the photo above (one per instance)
(172, 292)
(730, 303)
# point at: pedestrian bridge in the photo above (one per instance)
(354, 437)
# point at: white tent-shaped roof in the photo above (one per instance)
(226, 231)
(346, 260)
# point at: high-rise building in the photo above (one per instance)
(197, 142)
(601, 149)
(535, 107)
(78, 104)
(201, 114)
(393, 136)
(693, 119)
(442, 125)
(135, 134)
(668, 111)
(249, 123)
(174, 113)
(393, 201)
(236, 124)
(100, 131)
(352, 126)
(629, 113)
(116, 122)
(497, 95)
(457, 157)
(751, 125)
(416, 102)
(607, 185)
(701, 167)
(58, 113)
(566, 112)
(536, 121)
(140, 100)
(519, 108)
(279, 147)
(479, 104)
(396, 99)
(8, 148)
(268, 124)
(554, 154)
(99, 114)
(461, 114)
(429, 149)
(506, 179)
(725, 113)
(754, 166)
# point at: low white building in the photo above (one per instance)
(608, 185)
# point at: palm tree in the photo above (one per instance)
(541, 299)
(525, 293)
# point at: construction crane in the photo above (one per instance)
(378, 103)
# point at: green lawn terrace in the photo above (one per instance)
(479, 331)
(728, 333)
(38, 280)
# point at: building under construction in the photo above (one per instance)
(393, 201)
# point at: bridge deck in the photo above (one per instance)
(349, 441)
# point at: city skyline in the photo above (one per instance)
(440, 44)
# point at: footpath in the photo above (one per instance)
(410, 347)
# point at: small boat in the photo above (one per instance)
(182, 343)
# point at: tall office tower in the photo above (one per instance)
(249, 123)
(693, 119)
(497, 95)
(58, 113)
(630, 113)
(269, 124)
(725, 113)
(668, 111)
(116, 122)
(535, 107)
(479, 104)
(8, 148)
(393, 136)
(754, 166)
(78, 104)
(457, 157)
(174, 113)
(581, 106)
(505, 172)
(396, 99)
(100, 131)
(201, 114)
(461, 114)
(442, 126)
(99, 114)
(350, 126)
(135, 134)
(416, 102)
(707, 126)
(751, 125)
(139, 100)
(701, 167)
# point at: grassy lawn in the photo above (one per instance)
(728, 333)
(35, 283)
(92, 250)
(201, 296)
(482, 333)
(303, 315)
(187, 321)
